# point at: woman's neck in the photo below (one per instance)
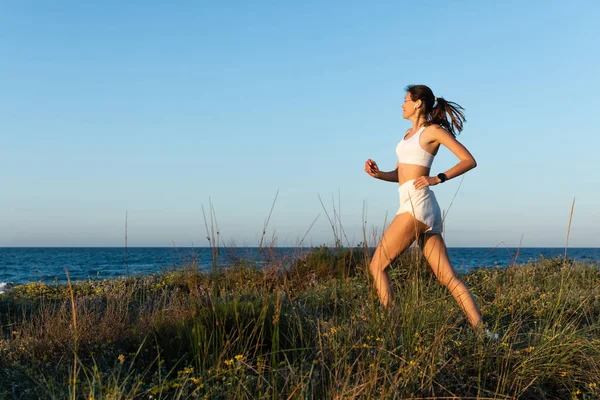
(418, 124)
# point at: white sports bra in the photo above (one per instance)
(409, 151)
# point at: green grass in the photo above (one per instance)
(315, 330)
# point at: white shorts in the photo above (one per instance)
(422, 205)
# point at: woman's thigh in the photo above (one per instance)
(401, 233)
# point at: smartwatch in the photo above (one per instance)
(443, 177)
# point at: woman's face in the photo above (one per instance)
(408, 107)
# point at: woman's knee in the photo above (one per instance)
(378, 265)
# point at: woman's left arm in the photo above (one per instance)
(466, 163)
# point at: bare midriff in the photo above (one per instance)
(406, 172)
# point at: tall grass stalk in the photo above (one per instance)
(308, 230)
(264, 230)
(332, 223)
(569, 228)
(213, 240)
(75, 335)
(126, 261)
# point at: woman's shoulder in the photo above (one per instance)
(435, 132)
(435, 128)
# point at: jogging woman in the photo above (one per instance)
(435, 122)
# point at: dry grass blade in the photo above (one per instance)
(331, 223)
(126, 264)
(308, 230)
(207, 230)
(364, 230)
(518, 249)
(496, 246)
(337, 216)
(213, 241)
(264, 231)
(75, 338)
(452, 201)
(213, 224)
(569, 229)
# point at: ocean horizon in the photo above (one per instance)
(19, 265)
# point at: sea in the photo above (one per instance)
(20, 265)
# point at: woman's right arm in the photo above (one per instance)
(391, 176)
(372, 169)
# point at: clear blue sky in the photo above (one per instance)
(155, 107)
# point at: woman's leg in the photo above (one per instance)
(401, 233)
(434, 250)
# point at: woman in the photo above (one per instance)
(419, 216)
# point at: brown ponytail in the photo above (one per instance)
(436, 110)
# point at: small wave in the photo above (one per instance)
(4, 286)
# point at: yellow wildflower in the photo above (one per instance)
(121, 358)
(239, 357)
(228, 362)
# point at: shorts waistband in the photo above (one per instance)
(409, 186)
(407, 182)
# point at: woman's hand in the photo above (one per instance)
(371, 168)
(424, 181)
